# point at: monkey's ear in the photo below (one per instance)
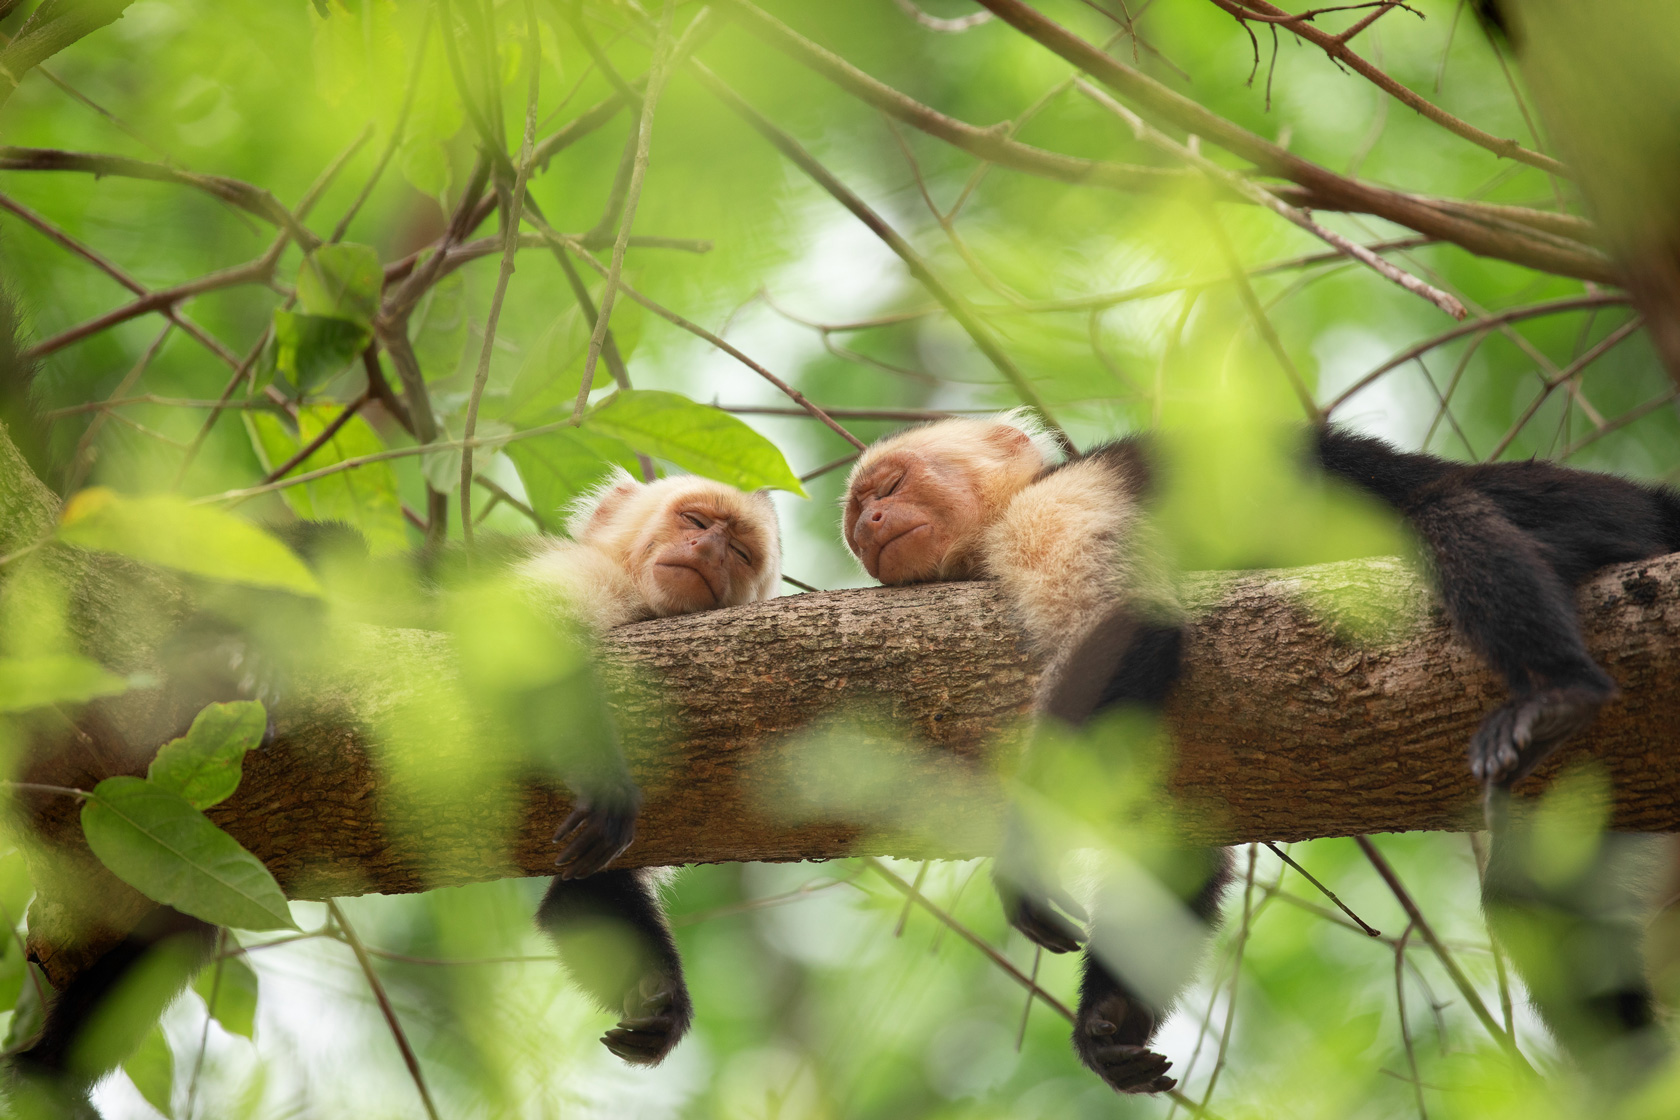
(1019, 429)
(1008, 438)
(602, 505)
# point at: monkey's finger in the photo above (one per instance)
(637, 1047)
(1131, 1069)
(598, 850)
(577, 817)
(1068, 906)
(584, 856)
(660, 1024)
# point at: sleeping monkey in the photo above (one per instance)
(1507, 542)
(638, 551)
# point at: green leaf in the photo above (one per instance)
(342, 281)
(14, 972)
(313, 349)
(15, 889)
(35, 682)
(437, 328)
(365, 497)
(442, 469)
(203, 766)
(168, 531)
(157, 843)
(557, 467)
(235, 1003)
(152, 1069)
(27, 1014)
(547, 381)
(694, 436)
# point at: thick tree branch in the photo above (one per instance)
(1286, 728)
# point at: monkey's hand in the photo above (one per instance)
(1043, 912)
(596, 833)
(1053, 920)
(657, 1013)
(1513, 740)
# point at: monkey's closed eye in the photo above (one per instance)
(746, 557)
(892, 486)
(697, 522)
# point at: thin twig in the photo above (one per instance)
(1336, 47)
(243, 195)
(831, 465)
(397, 130)
(1515, 314)
(702, 333)
(1324, 890)
(1026, 1008)
(515, 207)
(1507, 1012)
(110, 269)
(1271, 202)
(1606, 344)
(332, 429)
(1427, 932)
(658, 70)
(209, 1013)
(81, 460)
(1236, 977)
(1262, 322)
(1166, 106)
(968, 935)
(385, 1008)
(1400, 1005)
(948, 298)
(1620, 422)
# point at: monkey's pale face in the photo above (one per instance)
(697, 557)
(908, 515)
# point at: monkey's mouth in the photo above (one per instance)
(688, 586)
(881, 552)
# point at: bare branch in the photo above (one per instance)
(1336, 46)
(949, 299)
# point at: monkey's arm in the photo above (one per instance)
(580, 583)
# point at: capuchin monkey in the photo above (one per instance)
(1067, 541)
(638, 551)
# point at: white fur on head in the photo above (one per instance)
(619, 483)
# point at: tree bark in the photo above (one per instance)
(1325, 701)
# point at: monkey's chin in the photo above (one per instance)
(683, 589)
(910, 557)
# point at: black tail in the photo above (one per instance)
(612, 935)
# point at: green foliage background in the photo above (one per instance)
(820, 993)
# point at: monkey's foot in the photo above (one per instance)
(1111, 1034)
(1055, 922)
(656, 1016)
(1127, 1069)
(595, 835)
(1513, 740)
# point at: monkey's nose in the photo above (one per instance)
(876, 517)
